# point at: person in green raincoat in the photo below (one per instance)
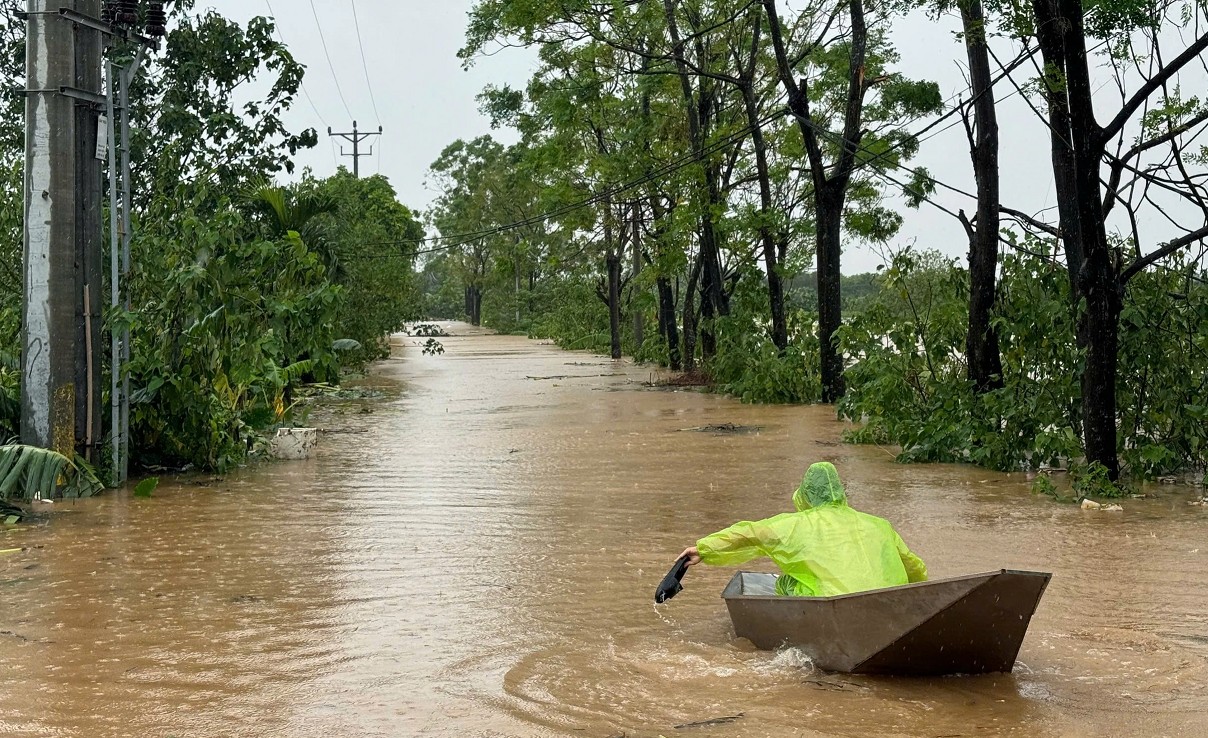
(825, 548)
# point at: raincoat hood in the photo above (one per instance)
(820, 487)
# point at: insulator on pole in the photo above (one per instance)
(157, 20)
(107, 12)
(127, 12)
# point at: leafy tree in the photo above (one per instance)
(836, 82)
(1083, 150)
(196, 116)
(226, 323)
(368, 241)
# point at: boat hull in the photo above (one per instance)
(972, 624)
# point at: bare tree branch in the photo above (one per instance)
(1141, 264)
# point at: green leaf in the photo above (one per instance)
(346, 344)
(144, 488)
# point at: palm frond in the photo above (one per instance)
(286, 211)
(29, 472)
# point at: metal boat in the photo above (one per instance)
(970, 624)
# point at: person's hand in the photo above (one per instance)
(692, 554)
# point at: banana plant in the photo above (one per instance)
(29, 472)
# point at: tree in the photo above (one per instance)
(368, 241)
(834, 158)
(981, 343)
(1099, 271)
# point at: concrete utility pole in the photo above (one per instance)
(48, 379)
(355, 137)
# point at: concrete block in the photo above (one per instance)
(295, 444)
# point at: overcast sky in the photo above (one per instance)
(425, 100)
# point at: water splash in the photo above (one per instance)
(786, 660)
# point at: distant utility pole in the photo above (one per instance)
(355, 137)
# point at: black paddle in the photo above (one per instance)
(670, 586)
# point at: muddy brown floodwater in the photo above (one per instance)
(475, 554)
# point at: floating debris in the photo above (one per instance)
(724, 429)
(715, 721)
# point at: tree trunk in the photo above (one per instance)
(1078, 155)
(474, 304)
(639, 320)
(698, 110)
(981, 343)
(830, 308)
(690, 315)
(830, 181)
(1099, 329)
(668, 326)
(613, 262)
(771, 249)
(1052, 48)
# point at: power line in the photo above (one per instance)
(462, 239)
(466, 238)
(301, 84)
(364, 62)
(332, 67)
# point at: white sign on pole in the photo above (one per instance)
(102, 138)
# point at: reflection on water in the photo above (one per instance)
(476, 555)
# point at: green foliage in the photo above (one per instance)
(1043, 485)
(30, 472)
(144, 488)
(229, 322)
(210, 106)
(749, 366)
(368, 241)
(569, 312)
(908, 385)
(242, 290)
(1093, 480)
(908, 381)
(1164, 369)
(11, 217)
(10, 371)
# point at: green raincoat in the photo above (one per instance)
(825, 548)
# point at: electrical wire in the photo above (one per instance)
(301, 85)
(364, 62)
(463, 239)
(332, 67)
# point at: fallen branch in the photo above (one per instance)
(715, 721)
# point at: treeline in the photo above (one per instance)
(683, 164)
(242, 289)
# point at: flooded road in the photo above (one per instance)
(475, 554)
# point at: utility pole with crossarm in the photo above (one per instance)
(355, 137)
